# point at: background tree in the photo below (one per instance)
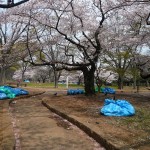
(41, 74)
(102, 75)
(134, 72)
(80, 25)
(143, 63)
(81, 32)
(118, 61)
(11, 29)
(23, 67)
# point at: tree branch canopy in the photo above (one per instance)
(12, 4)
(148, 19)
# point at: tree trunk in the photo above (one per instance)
(55, 78)
(43, 80)
(79, 80)
(99, 83)
(147, 83)
(138, 85)
(89, 81)
(134, 83)
(120, 82)
(2, 76)
(22, 76)
(56, 81)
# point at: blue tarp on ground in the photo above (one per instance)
(27, 81)
(19, 91)
(3, 96)
(108, 90)
(117, 108)
(75, 91)
(8, 92)
(101, 89)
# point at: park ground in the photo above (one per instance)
(33, 129)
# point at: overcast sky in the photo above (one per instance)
(5, 1)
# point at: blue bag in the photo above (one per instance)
(117, 108)
(19, 91)
(75, 91)
(3, 96)
(8, 92)
(108, 90)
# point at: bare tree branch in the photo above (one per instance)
(148, 19)
(12, 4)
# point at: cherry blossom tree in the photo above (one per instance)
(82, 28)
(80, 24)
(128, 33)
(140, 31)
(41, 74)
(11, 30)
(143, 63)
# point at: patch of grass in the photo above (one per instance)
(51, 85)
(31, 84)
(140, 121)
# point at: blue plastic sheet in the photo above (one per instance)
(27, 81)
(3, 96)
(8, 92)
(108, 90)
(117, 108)
(75, 91)
(19, 91)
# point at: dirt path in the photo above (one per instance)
(37, 128)
(6, 131)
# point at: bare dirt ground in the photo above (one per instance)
(37, 127)
(123, 132)
(7, 139)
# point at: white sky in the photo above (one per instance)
(5, 1)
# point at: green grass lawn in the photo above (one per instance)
(75, 86)
(51, 85)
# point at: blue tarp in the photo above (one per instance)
(108, 90)
(27, 81)
(8, 92)
(101, 89)
(19, 91)
(117, 108)
(3, 96)
(75, 91)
